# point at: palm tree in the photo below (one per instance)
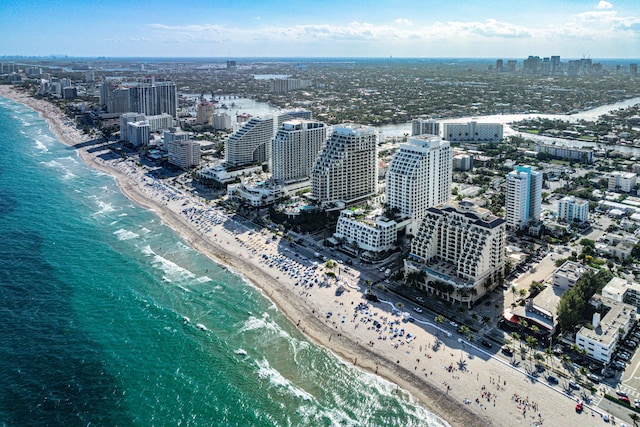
(513, 291)
(565, 360)
(516, 337)
(531, 342)
(548, 353)
(439, 321)
(635, 418)
(535, 329)
(464, 330)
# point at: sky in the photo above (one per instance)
(321, 28)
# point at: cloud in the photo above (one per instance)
(604, 5)
(403, 21)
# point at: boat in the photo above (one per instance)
(201, 327)
(241, 352)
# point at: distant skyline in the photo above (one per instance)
(322, 28)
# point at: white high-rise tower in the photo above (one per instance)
(295, 149)
(347, 169)
(419, 177)
(524, 196)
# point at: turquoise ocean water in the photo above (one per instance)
(107, 318)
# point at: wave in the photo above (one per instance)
(125, 234)
(172, 271)
(277, 380)
(40, 146)
(253, 323)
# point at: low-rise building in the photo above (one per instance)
(567, 275)
(472, 132)
(371, 233)
(612, 320)
(622, 290)
(579, 155)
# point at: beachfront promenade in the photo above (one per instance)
(463, 383)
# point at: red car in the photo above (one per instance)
(625, 399)
(579, 407)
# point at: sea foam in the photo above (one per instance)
(277, 380)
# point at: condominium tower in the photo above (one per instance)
(419, 177)
(461, 250)
(295, 149)
(422, 126)
(347, 169)
(524, 196)
(252, 143)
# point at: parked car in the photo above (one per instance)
(552, 380)
(621, 393)
(574, 385)
(507, 351)
(593, 377)
(625, 399)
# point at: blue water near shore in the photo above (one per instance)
(107, 317)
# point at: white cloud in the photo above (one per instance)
(403, 21)
(604, 5)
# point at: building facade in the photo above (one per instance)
(251, 143)
(419, 177)
(125, 119)
(461, 251)
(184, 154)
(567, 275)
(622, 181)
(373, 235)
(295, 149)
(204, 112)
(425, 126)
(347, 168)
(472, 132)
(572, 209)
(523, 197)
(138, 133)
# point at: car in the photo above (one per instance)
(574, 385)
(454, 324)
(417, 309)
(593, 377)
(636, 403)
(420, 299)
(579, 407)
(625, 399)
(617, 365)
(552, 380)
(507, 351)
(486, 343)
(621, 393)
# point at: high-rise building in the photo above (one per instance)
(152, 98)
(221, 121)
(555, 64)
(295, 149)
(174, 134)
(461, 250)
(425, 126)
(572, 209)
(119, 100)
(499, 65)
(531, 65)
(419, 177)
(204, 112)
(125, 119)
(251, 143)
(138, 133)
(472, 132)
(633, 70)
(524, 196)
(184, 153)
(347, 168)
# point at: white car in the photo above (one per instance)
(454, 324)
(417, 309)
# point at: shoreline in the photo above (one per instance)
(441, 385)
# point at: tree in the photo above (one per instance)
(464, 330)
(439, 321)
(635, 418)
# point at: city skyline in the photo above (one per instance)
(247, 28)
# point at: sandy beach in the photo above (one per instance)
(455, 379)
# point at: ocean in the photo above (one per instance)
(108, 318)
